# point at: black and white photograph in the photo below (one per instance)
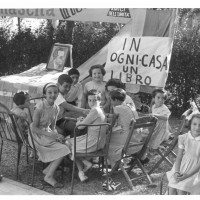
(96, 100)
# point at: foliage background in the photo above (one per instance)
(23, 48)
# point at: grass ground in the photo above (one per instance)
(93, 186)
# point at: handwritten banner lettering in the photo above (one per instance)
(139, 60)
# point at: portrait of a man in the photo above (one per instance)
(58, 57)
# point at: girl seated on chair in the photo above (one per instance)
(185, 174)
(112, 84)
(123, 113)
(95, 116)
(21, 101)
(46, 138)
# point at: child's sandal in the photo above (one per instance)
(111, 185)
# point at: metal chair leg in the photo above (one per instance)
(18, 159)
(1, 150)
(73, 172)
(27, 155)
(102, 163)
(161, 183)
(33, 170)
(106, 170)
(116, 166)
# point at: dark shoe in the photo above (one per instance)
(131, 162)
(146, 160)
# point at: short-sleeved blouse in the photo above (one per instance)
(191, 158)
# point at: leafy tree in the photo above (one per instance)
(183, 80)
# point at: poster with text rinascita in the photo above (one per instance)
(139, 60)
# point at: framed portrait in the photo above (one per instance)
(61, 54)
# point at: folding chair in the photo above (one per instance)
(169, 146)
(102, 152)
(143, 122)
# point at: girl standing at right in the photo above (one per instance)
(185, 174)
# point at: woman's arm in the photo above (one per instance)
(103, 99)
(178, 160)
(192, 172)
(53, 124)
(107, 102)
(178, 163)
(162, 117)
(70, 107)
(90, 118)
(83, 101)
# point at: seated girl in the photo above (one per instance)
(21, 101)
(46, 138)
(111, 85)
(123, 113)
(95, 116)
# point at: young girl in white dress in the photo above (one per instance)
(46, 137)
(185, 174)
(161, 111)
(95, 116)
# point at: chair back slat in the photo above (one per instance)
(180, 131)
(143, 122)
(8, 128)
(101, 140)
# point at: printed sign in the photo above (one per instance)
(119, 12)
(113, 15)
(139, 60)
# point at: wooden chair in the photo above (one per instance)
(143, 122)
(169, 147)
(98, 152)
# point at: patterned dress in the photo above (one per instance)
(118, 137)
(161, 132)
(47, 148)
(191, 158)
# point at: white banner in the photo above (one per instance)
(112, 15)
(139, 60)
